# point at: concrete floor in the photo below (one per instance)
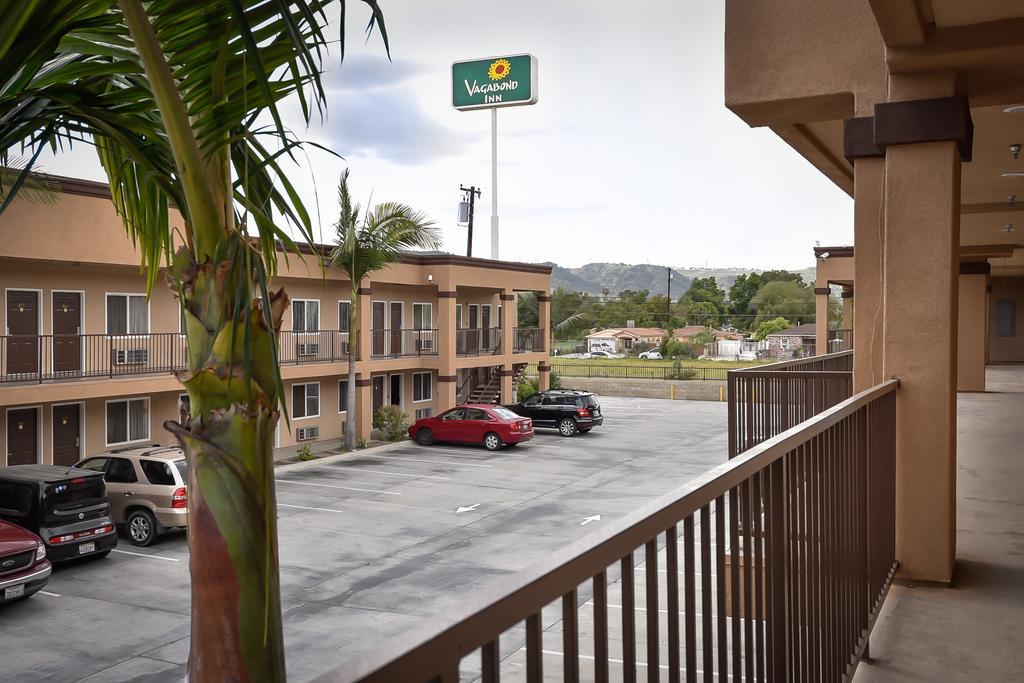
(371, 545)
(973, 630)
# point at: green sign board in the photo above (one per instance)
(504, 81)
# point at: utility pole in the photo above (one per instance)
(472, 192)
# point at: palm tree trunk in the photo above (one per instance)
(236, 612)
(350, 390)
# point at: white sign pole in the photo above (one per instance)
(494, 182)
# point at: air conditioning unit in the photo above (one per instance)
(426, 344)
(307, 433)
(131, 356)
(309, 349)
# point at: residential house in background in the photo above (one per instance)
(623, 339)
(87, 359)
(792, 342)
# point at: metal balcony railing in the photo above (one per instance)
(41, 358)
(323, 346)
(478, 341)
(27, 358)
(840, 340)
(769, 399)
(402, 343)
(527, 339)
(771, 566)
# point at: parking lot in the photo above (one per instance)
(371, 545)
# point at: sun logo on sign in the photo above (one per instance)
(499, 69)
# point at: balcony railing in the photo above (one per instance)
(41, 358)
(769, 399)
(772, 566)
(527, 340)
(37, 358)
(323, 346)
(478, 341)
(401, 343)
(840, 340)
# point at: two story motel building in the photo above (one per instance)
(87, 359)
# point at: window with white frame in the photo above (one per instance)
(422, 316)
(306, 315)
(306, 400)
(127, 421)
(422, 388)
(127, 314)
(344, 311)
(342, 395)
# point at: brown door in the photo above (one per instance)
(396, 328)
(395, 389)
(67, 326)
(22, 437)
(23, 331)
(377, 329)
(67, 447)
(473, 340)
(378, 392)
(485, 325)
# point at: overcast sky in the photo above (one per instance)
(629, 155)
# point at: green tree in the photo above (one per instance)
(770, 326)
(783, 298)
(742, 291)
(169, 94)
(366, 243)
(702, 313)
(706, 289)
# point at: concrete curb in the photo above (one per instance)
(305, 464)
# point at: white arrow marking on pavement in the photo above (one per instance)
(588, 520)
(470, 508)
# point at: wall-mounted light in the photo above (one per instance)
(1015, 109)
(1015, 150)
(1011, 199)
(1007, 227)
(1012, 174)
(430, 277)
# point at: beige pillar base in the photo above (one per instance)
(364, 407)
(543, 377)
(506, 384)
(446, 386)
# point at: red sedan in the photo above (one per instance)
(492, 426)
(24, 568)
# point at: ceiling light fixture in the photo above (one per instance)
(1015, 150)
(1012, 174)
(1011, 199)
(1015, 109)
(1008, 227)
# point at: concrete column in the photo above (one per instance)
(364, 315)
(544, 321)
(922, 237)
(847, 323)
(972, 332)
(446, 374)
(507, 388)
(364, 406)
(543, 376)
(821, 319)
(509, 313)
(869, 242)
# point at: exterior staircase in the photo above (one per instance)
(490, 390)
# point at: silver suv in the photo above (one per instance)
(145, 488)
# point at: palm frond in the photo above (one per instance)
(34, 188)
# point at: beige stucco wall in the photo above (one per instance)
(1007, 349)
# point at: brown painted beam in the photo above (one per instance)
(998, 44)
(992, 207)
(900, 22)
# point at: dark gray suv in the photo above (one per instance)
(570, 412)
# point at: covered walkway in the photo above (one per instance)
(973, 630)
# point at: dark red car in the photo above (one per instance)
(24, 568)
(492, 426)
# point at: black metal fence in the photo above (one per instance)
(640, 371)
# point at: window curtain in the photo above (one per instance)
(344, 310)
(138, 318)
(117, 422)
(138, 420)
(117, 315)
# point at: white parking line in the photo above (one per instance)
(52, 595)
(152, 557)
(434, 462)
(400, 474)
(333, 486)
(304, 507)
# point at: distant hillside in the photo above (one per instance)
(592, 278)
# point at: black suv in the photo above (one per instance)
(569, 411)
(65, 506)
